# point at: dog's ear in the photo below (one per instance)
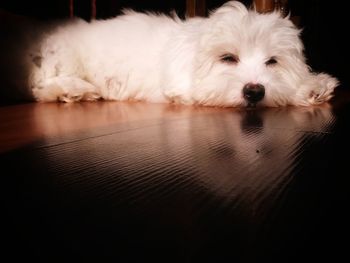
(231, 7)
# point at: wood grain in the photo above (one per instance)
(138, 182)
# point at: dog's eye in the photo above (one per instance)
(271, 61)
(229, 58)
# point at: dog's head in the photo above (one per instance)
(246, 58)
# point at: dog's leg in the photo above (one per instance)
(65, 89)
(316, 89)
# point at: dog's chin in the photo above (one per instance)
(253, 105)
(265, 103)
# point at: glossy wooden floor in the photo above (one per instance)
(137, 182)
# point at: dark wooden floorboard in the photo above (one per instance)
(136, 182)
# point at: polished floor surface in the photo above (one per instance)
(137, 182)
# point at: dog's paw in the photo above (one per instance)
(316, 90)
(69, 97)
(65, 89)
(322, 89)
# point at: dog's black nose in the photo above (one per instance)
(253, 93)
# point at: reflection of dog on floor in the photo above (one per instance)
(244, 146)
(236, 57)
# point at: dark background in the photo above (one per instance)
(323, 23)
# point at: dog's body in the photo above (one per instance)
(235, 57)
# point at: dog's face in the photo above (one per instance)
(245, 58)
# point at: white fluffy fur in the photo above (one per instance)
(158, 58)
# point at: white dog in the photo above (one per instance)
(235, 57)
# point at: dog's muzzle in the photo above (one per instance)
(253, 93)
